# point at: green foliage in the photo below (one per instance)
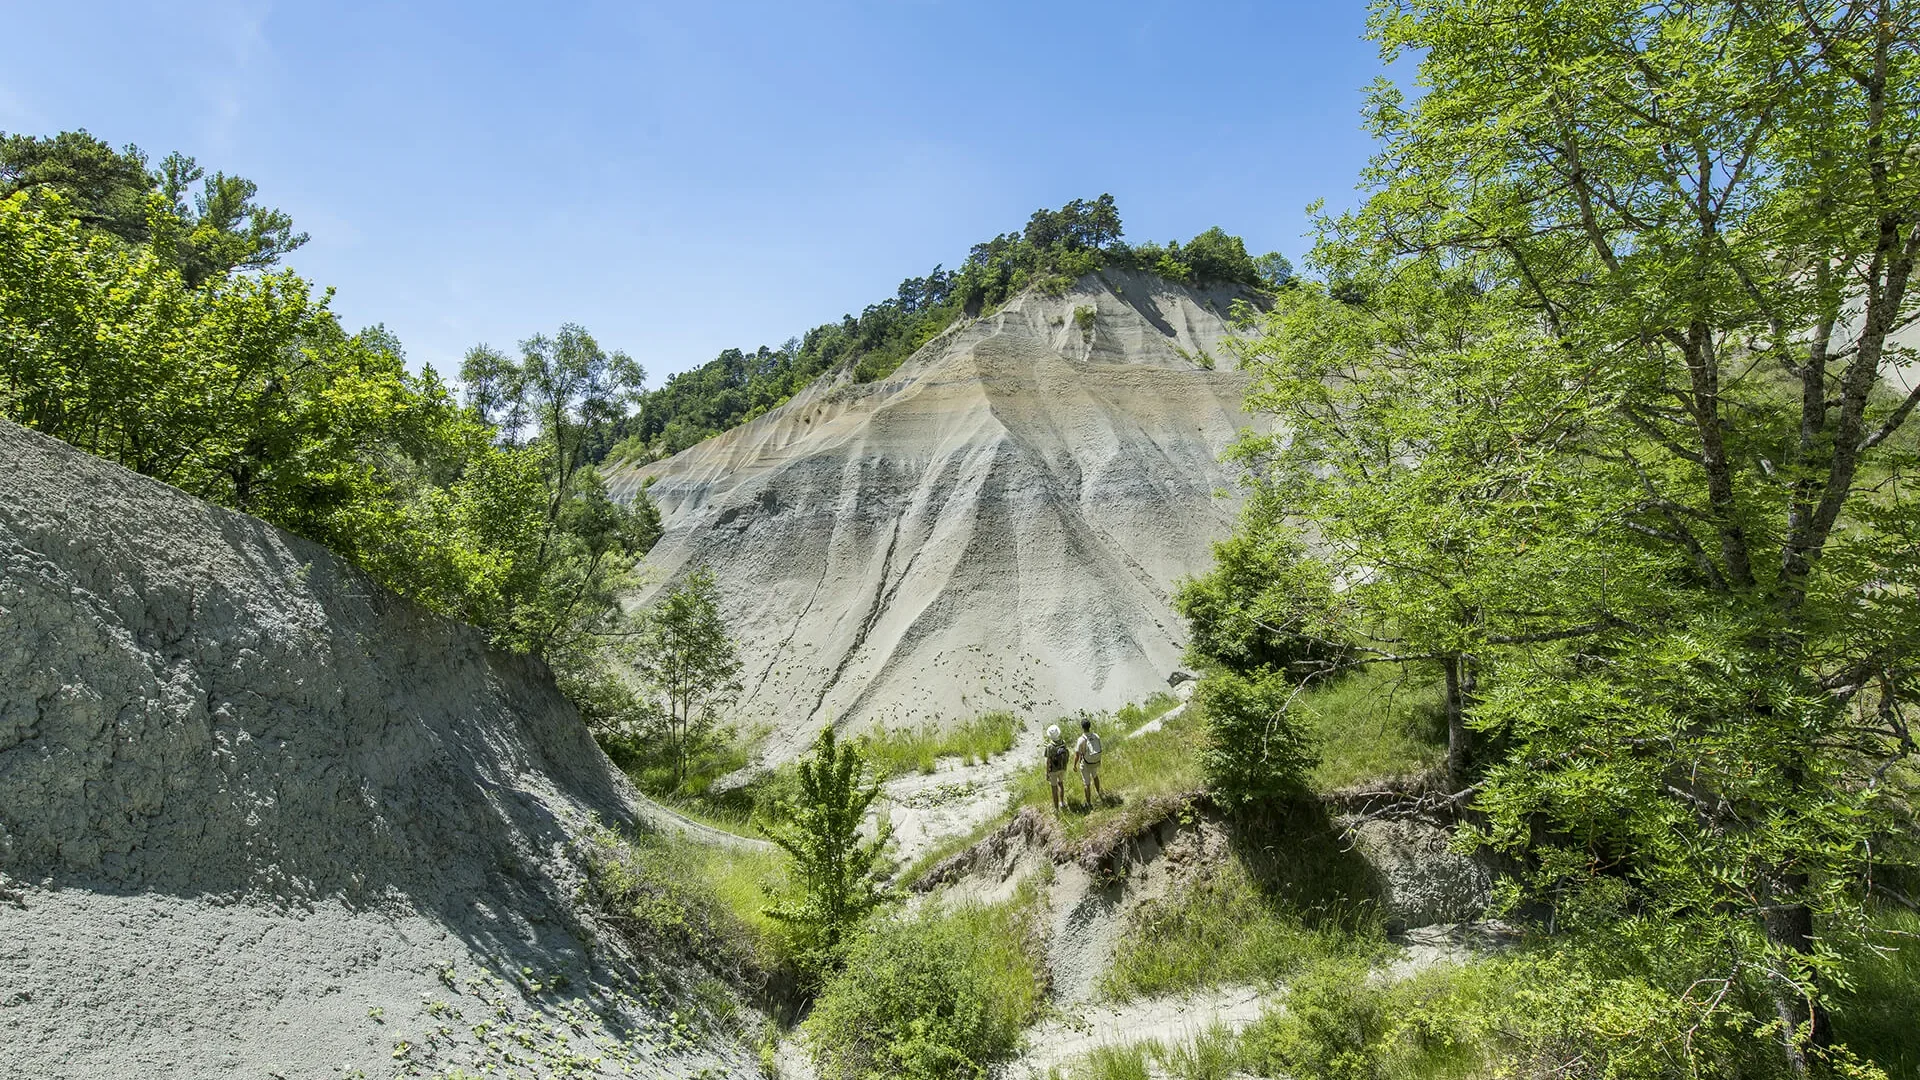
(245, 391)
(1213, 1054)
(205, 235)
(1056, 248)
(1874, 1015)
(701, 902)
(939, 995)
(1111, 1063)
(689, 663)
(1258, 607)
(1372, 724)
(836, 875)
(898, 751)
(1256, 747)
(1594, 430)
(1642, 1009)
(1130, 717)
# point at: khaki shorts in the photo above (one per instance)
(1089, 771)
(1056, 776)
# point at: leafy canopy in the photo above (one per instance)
(1586, 408)
(205, 234)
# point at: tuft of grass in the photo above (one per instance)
(902, 750)
(1111, 1063)
(735, 816)
(1224, 927)
(1214, 1054)
(1132, 715)
(1374, 723)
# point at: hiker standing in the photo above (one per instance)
(1086, 754)
(1057, 767)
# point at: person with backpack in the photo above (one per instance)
(1086, 754)
(1057, 767)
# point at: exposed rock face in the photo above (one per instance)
(999, 524)
(1423, 881)
(254, 811)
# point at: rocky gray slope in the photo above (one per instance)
(259, 816)
(999, 524)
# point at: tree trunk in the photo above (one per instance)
(1790, 926)
(1459, 744)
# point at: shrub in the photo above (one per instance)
(1255, 748)
(940, 995)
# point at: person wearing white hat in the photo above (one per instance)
(1057, 767)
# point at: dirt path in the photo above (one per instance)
(672, 820)
(1171, 1020)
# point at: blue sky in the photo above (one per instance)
(682, 178)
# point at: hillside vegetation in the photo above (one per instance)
(1055, 247)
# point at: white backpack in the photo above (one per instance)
(1093, 749)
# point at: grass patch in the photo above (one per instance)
(699, 901)
(1225, 927)
(1214, 1054)
(1373, 723)
(902, 750)
(734, 816)
(942, 993)
(1613, 1007)
(1879, 1018)
(1133, 714)
(1145, 778)
(1109, 1063)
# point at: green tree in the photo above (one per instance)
(836, 875)
(98, 186)
(1588, 412)
(219, 229)
(206, 234)
(244, 390)
(1259, 606)
(687, 658)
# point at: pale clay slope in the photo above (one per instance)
(252, 806)
(999, 524)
